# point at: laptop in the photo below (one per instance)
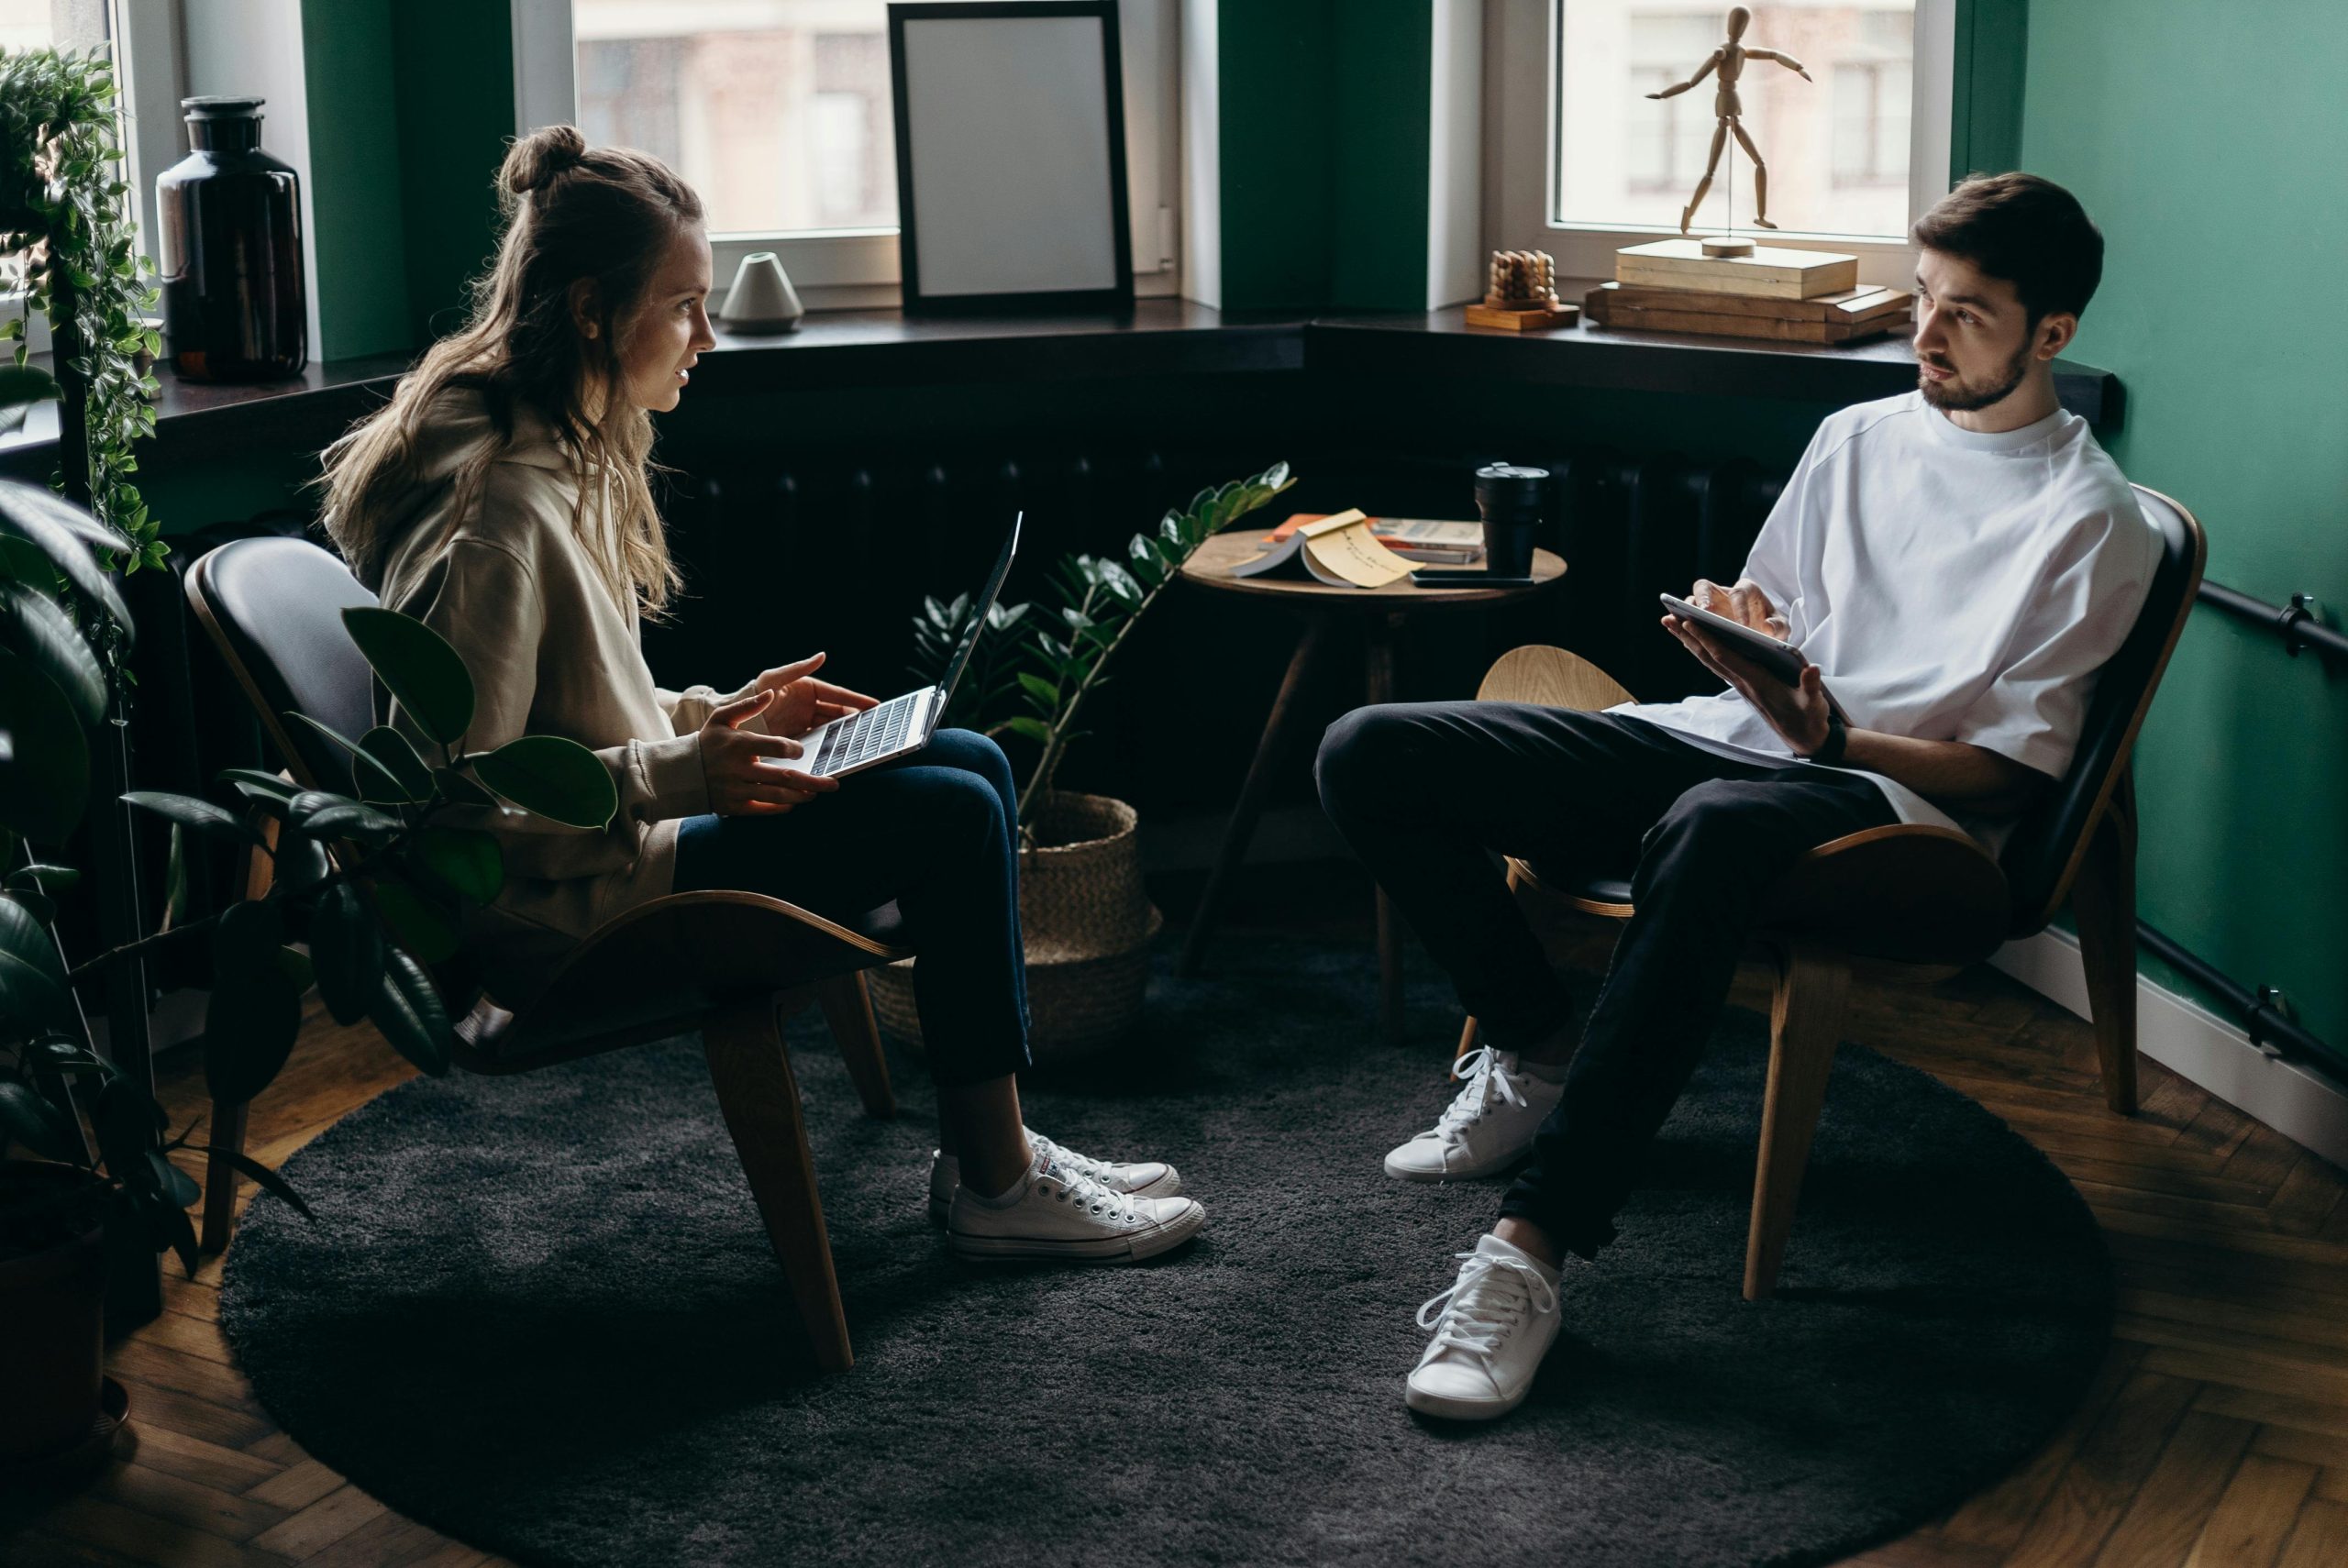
(902, 725)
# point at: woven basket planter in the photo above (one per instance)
(1086, 924)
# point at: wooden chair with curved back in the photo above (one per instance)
(731, 965)
(1916, 902)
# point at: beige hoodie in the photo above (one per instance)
(551, 653)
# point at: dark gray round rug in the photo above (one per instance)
(539, 1314)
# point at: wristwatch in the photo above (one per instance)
(1838, 735)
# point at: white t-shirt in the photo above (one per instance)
(1949, 585)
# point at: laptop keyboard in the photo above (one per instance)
(876, 732)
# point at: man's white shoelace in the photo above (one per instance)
(1486, 1302)
(1073, 1186)
(1486, 1078)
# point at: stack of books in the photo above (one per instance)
(1787, 296)
(1432, 541)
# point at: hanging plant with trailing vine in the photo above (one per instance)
(67, 229)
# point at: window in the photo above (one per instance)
(1581, 161)
(779, 112)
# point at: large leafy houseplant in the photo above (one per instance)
(1035, 666)
(366, 888)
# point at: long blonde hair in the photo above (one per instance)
(608, 213)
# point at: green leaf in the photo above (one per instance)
(555, 778)
(48, 878)
(191, 812)
(461, 790)
(331, 734)
(33, 901)
(408, 1010)
(396, 756)
(35, 628)
(419, 668)
(248, 1030)
(27, 939)
(28, 1118)
(376, 784)
(300, 862)
(46, 782)
(270, 1182)
(173, 1181)
(69, 538)
(428, 931)
(253, 783)
(1046, 693)
(346, 951)
(247, 937)
(327, 816)
(1032, 728)
(25, 383)
(30, 997)
(467, 862)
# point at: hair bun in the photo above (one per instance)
(540, 156)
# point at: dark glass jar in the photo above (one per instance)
(236, 304)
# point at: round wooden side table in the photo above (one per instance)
(1379, 614)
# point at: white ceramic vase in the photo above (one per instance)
(761, 299)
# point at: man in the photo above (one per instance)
(1954, 565)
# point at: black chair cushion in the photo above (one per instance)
(2043, 843)
(279, 605)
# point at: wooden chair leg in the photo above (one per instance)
(847, 1008)
(759, 1099)
(227, 1131)
(1805, 1023)
(2103, 899)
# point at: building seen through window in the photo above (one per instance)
(777, 111)
(1837, 146)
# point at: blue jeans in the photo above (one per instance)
(935, 831)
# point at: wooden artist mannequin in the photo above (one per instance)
(1729, 61)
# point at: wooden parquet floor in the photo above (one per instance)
(2216, 1435)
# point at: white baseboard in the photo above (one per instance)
(2303, 1103)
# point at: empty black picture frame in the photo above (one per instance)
(1117, 295)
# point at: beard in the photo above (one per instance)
(1961, 396)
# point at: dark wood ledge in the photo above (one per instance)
(196, 420)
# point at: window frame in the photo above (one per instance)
(857, 268)
(1521, 146)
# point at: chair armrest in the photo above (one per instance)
(1909, 892)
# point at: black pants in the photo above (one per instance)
(1425, 792)
(933, 832)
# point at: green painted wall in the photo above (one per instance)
(411, 106)
(2195, 141)
(1324, 136)
(453, 73)
(354, 177)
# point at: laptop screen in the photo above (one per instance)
(970, 639)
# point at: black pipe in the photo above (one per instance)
(2270, 1029)
(2295, 623)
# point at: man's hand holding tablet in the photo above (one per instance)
(1737, 634)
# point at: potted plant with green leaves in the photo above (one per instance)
(1086, 921)
(366, 890)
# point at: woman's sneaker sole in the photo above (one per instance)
(1104, 1249)
(1448, 1409)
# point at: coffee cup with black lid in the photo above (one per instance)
(1511, 498)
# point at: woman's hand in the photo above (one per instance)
(802, 701)
(742, 782)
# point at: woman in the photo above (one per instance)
(501, 498)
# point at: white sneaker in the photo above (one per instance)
(1497, 1321)
(1488, 1126)
(1140, 1178)
(1060, 1212)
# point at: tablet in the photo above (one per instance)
(1782, 659)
